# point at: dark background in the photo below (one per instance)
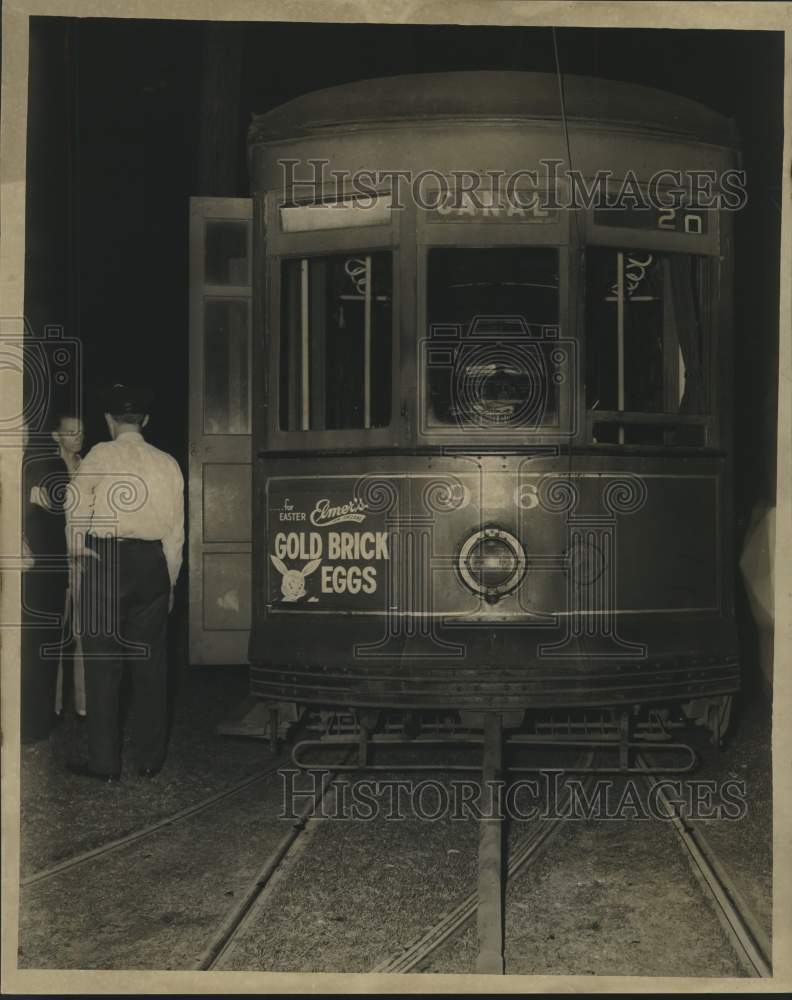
(123, 113)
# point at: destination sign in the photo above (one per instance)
(336, 214)
(691, 221)
(490, 206)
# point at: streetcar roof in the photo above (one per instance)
(488, 95)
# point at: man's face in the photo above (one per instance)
(69, 434)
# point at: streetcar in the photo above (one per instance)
(490, 402)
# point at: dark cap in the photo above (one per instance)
(127, 398)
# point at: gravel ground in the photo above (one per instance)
(357, 892)
(607, 897)
(63, 814)
(745, 846)
(612, 898)
(155, 904)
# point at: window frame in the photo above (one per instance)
(568, 401)
(328, 439)
(248, 400)
(450, 233)
(280, 246)
(228, 292)
(312, 400)
(409, 237)
(707, 247)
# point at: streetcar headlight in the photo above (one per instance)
(491, 562)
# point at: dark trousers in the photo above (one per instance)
(124, 621)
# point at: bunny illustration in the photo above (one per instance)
(293, 580)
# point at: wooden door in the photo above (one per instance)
(220, 441)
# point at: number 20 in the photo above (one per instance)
(667, 220)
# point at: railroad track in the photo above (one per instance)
(45, 874)
(295, 838)
(235, 920)
(750, 942)
(527, 851)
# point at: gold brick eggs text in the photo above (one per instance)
(339, 548)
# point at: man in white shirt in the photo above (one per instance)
(126, 531)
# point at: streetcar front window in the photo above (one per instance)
(646, 350)
(336, 337)
(491, 347)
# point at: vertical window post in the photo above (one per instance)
(304, 339)
(367, 346)
(334, 374)
(620, 335)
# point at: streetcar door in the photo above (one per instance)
(219, 488)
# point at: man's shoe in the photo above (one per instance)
(84, 771)
(149, 772)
